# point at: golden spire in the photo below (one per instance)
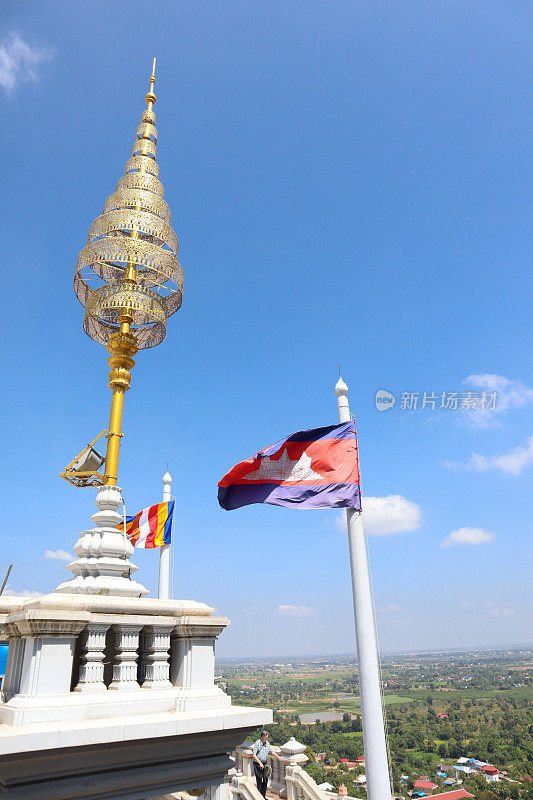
(133, 232)
(150, 97)
(127, 275)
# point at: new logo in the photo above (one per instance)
(384, 400)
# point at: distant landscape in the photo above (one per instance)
(440, 708)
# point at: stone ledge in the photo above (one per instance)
(63, 614)
(22, 710)
(8, 605)
(189, 627)
(109, 604)
(45, 622)
(47, 736)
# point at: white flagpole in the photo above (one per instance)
(164, 550)
(126, 537)
(376, 761)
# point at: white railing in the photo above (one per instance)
(242, 787)
(301, 786)
(288, 779)
(277, 783)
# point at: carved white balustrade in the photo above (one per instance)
(72, 686)
(288, 780)
(126, 654)
(156, 645)
(244, 759)
(243, 788)
(283, 761)
(294, 752)
(277, 778)
(91, 678)
(143, 657)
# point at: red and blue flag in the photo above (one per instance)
(309, 469)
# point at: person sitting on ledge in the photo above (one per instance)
(260, 752)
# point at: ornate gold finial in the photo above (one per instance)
(127, 275)
(150, 97)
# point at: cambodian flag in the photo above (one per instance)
(310, 469)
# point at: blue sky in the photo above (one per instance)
(350, 183)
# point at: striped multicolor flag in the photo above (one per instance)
(151, 527)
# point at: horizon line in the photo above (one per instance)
(416, 651)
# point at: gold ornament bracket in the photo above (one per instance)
(84, 477)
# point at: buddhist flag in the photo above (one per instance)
(310, 469)
(151, 527)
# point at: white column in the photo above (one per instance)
(244, 754)
(238, 786)
(143, 657)
(376, 762)
(193, 662)
(92, 659)
(157, 644)
(292, 790)
(125, 666)
(164, 550)
(15, 657)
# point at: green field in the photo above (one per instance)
(348, 706)
(487, 715)
(449, 695)
(320, 679)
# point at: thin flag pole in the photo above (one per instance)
(126, 537)
(5, 579)
(172, 553)
(124, 517)
(374, 742)
(164, 551)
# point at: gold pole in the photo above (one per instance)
(122, 346)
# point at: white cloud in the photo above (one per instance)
(503, 612)
(510, 394)
(24, 593)
(468, 536)
(487, 610)
(513, 462)
(468, 604)
(18, 61)
(390, 514)
(59, 555)
(295, 611)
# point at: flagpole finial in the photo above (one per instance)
(341, 388)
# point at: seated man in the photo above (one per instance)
(260, 753)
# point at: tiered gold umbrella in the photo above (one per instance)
(128, 276)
